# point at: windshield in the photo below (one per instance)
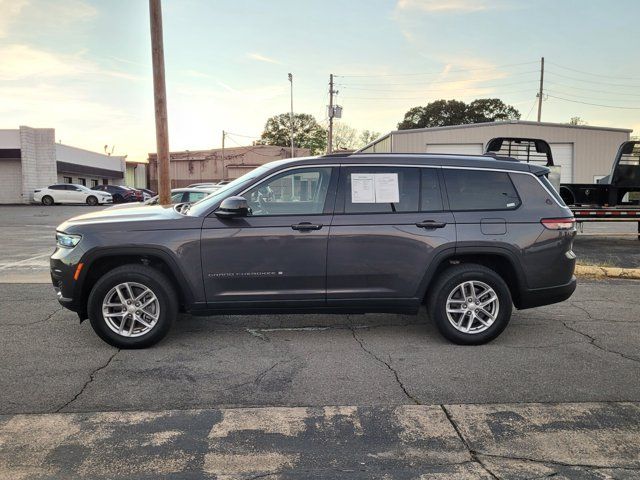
(205, 204)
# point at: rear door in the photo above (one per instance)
(388, 226)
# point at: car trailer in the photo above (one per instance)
(606, 201)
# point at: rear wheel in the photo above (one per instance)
(132, 306)
(470, 304)
(47, 200)
(93, 201)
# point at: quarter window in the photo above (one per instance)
(297, 192)
(480, 190)
(381, 189)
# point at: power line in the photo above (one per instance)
(588, 73)
(439, 89)
(254, 150)
(593, 81)
(423, 97)
(566, 94)
(434, 73)
(239, 135)
(593, 104)
(591, 89)
(428, 82)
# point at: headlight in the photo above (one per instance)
(66, 240)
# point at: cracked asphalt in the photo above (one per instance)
(316, 396)
(557, 394)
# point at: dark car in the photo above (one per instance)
(121, 193)
(469, 236)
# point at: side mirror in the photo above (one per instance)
(233, 207)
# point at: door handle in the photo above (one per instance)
(307, 226)
(431, 224)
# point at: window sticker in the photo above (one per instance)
(362, 188)
(386, 188)
(374, 188)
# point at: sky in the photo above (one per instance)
(84, 67)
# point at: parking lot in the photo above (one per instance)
(556, 393)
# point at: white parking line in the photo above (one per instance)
(26, 261)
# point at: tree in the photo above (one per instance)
(307, 132)
(368, 136)
(490, 110)
(443, 113)
(345, 137)
(577, 121)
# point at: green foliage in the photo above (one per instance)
(443, 113)
(368, 136)
(307, 132)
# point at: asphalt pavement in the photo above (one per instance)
(314, 396)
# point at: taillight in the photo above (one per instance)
(559, 223)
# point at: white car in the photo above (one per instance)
(178, 195)
(70, 193)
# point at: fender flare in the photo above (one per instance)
(164, 254)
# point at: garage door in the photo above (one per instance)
(457, 148)
(563, 156)
(10, 181)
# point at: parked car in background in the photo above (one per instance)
(178, 195)
(147, 193)
(467, 236)
(121, 193)
(70, 193)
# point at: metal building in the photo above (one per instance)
(584, 152)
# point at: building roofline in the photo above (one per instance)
(90, 151)
(510, 122)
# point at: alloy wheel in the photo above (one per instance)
(472, 307)
(131, 309)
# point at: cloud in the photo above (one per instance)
(262, 58)
(445, 6)
(10, 11)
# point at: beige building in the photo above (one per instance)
(585, 153)
(197, 166)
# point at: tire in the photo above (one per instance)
(47, 200)
(480, 328)
(138, 277)
(92, 201)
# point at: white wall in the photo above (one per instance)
(10, 138)
(10, 181)
(79, 156)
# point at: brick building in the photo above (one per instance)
(195, 166)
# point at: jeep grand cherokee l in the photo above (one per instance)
(469, 236)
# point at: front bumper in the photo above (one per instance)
(546, 296)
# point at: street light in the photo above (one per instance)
(291, 114)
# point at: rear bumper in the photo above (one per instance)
(546, 296)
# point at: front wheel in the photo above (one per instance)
(132, 306)
(92, 201)
(470, 304)
(47, 200)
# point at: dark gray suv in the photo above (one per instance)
(469, 236)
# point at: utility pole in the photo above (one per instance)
(331, 112)
(541, 89)
(223, 171)
(291, 115)
(160, 102)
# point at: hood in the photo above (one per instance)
(142, 217)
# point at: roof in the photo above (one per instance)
(513, 122)
(427, 159)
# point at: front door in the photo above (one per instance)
(277, 254)
(388, 226)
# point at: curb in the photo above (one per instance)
(607, 272)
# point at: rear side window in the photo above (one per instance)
(381, 189)
(545, 181)
(430, 197)
(480, 190)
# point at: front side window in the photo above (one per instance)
(295, 192)
(195, 196)
(381, 189)
(480, 190)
